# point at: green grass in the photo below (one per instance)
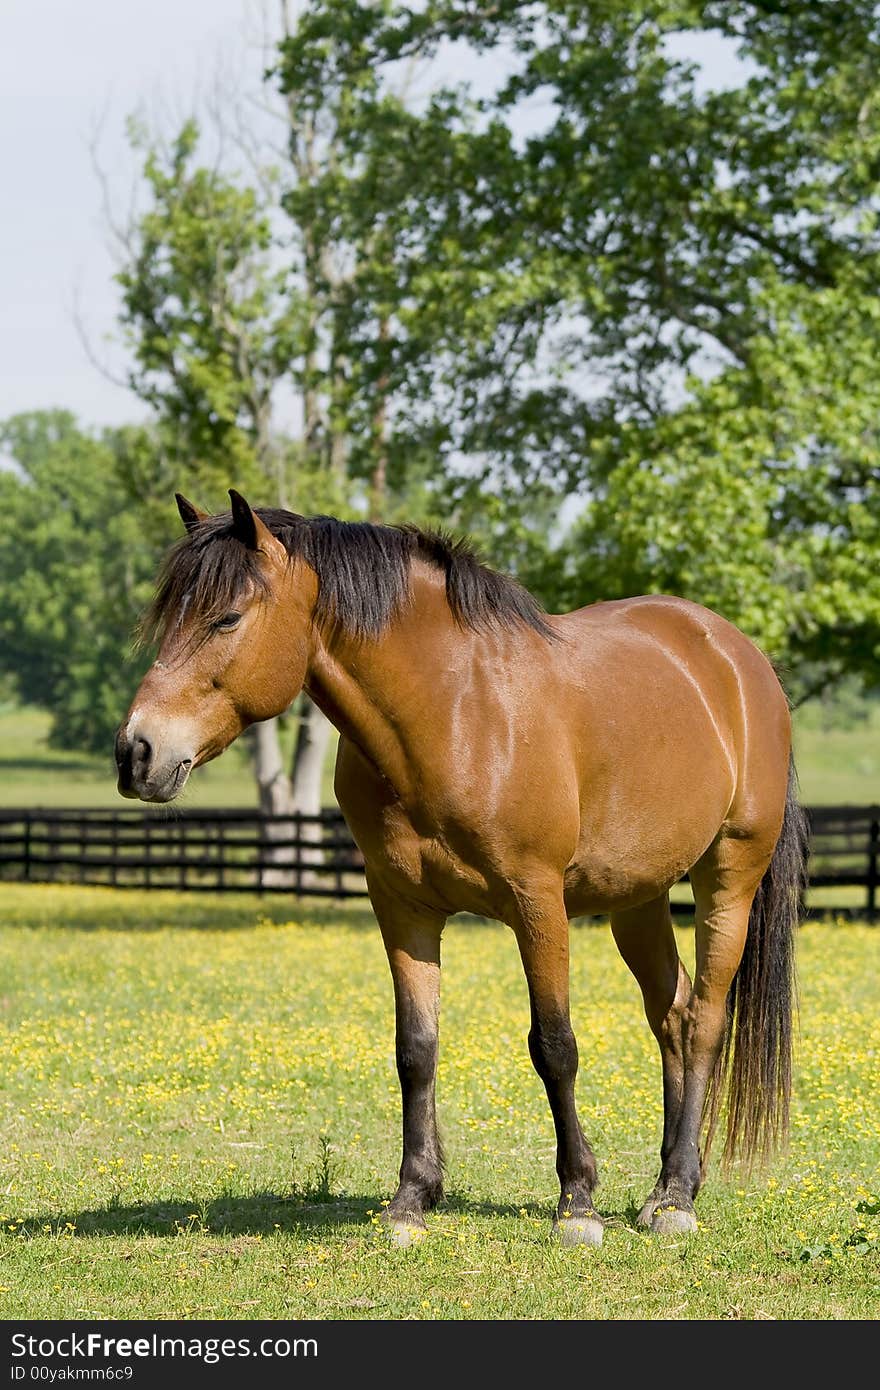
(200, 1118)
(838, 766)
(835, 766)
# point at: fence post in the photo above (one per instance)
(114, 849)
(27, 845)
(181, 835)
(262, 835)
(337, 859)
(53, 852)
(873, 846)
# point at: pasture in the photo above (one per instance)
(200, 1118)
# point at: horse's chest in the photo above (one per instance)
(420, 862)
(442, 868)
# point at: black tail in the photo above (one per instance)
(756, 1054)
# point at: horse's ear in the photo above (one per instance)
(190, 515)
(249, 528)
(244, 523)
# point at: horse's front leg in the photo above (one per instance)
(412, 941)
(541, 929)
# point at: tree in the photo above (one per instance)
(75, 569)
(651, 298)
(414, 323)
(215, 325)
(761, 496)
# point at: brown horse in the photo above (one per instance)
(497, 760)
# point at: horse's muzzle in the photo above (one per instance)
(144, 776)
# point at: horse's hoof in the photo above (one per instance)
(403, 1234)
(578, 1230)
(673, 1221)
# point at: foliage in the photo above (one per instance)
(210, 321)
(75, 570)
(761, 496)
(601, 276)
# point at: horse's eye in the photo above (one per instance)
(228, 620)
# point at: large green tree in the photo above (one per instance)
(604, 276)
(217, 328)
(210, 322)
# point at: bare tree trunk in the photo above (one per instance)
(273, 784)
(379, 476)
(309, 757)
(379, 484)
(312, 741)
(338, 455)
(276, 799)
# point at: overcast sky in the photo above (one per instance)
(69, 68)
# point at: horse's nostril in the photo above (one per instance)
(142, 750)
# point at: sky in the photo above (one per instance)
(71, 72)
(68, 70)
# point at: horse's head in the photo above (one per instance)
(232, 615)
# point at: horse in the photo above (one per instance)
(498, 760)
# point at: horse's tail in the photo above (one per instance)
(756, 1052)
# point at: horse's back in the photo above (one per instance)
(610, 759)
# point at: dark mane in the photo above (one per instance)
(363, 575)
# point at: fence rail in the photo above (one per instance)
(314, 856)
(845, 851)
(209, 851)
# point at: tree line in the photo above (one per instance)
(618, 324)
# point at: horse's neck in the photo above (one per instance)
(384, 693)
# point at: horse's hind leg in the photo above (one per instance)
(724, 883)
(646, 941)
(542, 935)
(412, 942)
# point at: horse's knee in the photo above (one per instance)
(553, 1050)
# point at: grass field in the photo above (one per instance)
(835, 765)
(200, 1118)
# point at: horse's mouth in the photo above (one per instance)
(175, 784)
(165, 791)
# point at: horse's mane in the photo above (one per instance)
(363, 575)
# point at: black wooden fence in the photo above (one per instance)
(234, 851)
(845, 853)
(216, 851)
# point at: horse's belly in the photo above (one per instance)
(597, 887)
(629, 861)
